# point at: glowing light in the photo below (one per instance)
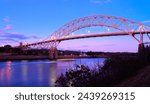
(72, 33)
(53, 37)
(89, 31)
(108, 29)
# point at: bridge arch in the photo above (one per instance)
(124, 26)
(118, 23)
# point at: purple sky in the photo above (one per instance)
(34, 20)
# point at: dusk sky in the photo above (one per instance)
(34, 20)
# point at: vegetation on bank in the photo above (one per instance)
(10, 51)
(115, 70)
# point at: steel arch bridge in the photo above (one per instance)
(122, 25)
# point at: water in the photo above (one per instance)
(38, 72)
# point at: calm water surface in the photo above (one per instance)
(38, 72)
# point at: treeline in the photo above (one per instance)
(10, 49)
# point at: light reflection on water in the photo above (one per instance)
(38, 72)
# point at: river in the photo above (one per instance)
(37, 73)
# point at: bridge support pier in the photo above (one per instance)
(53, 53)
(141, 48)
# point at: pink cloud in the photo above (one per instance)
(8, 27)
(9, 36)
(1, 31)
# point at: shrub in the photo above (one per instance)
(114, 70)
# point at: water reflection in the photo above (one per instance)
(40, 72)
(24, 70)
(36, 73)
(6, 72)
(52, 78)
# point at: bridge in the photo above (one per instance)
(120, 25)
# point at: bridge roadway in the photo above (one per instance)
(63, 38)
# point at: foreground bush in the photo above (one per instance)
(114, 70)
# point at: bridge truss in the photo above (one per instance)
(123, 26)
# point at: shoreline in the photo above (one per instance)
(33, 57)
(22, 57)
(42, 57)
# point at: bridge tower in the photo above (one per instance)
(21, 45)
(141, 48)
(53, 53)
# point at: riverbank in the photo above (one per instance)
(22, 57)
(140, 79)
(40, 57)
(33, 57)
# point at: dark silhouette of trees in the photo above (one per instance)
(115, 69)
(144, 52)
(79, 77)
(10, 49)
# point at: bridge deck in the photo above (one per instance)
(87, 36)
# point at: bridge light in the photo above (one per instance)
(89, 31)
(72, 33)
(53, 37)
